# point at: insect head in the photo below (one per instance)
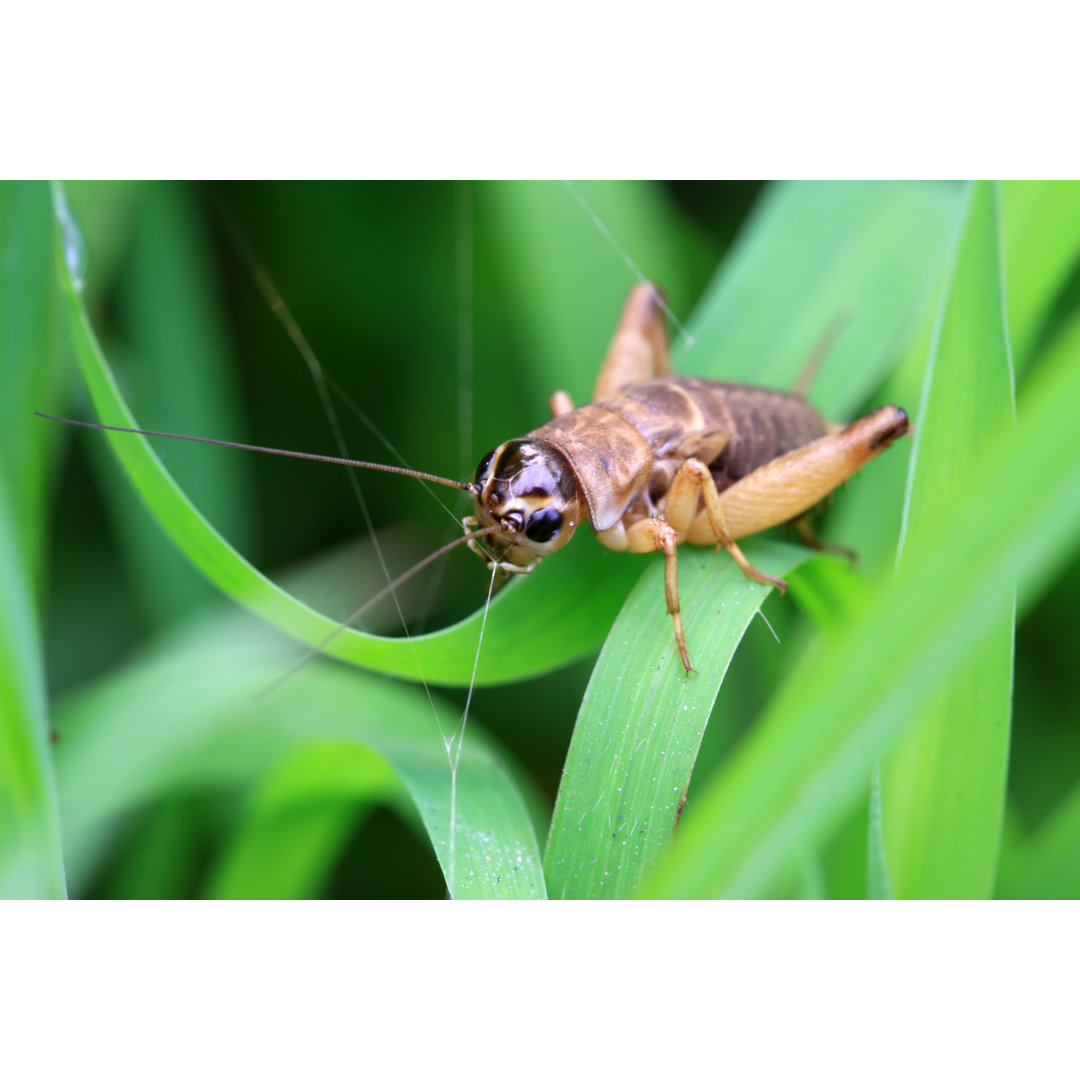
(528, 486)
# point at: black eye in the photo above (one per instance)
(544, 524)
(482, 468)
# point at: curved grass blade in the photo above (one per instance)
(642, 720)
(856, 692)
(537, 629)
(944, 787)
(134, 737)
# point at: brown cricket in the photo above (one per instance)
(656, 460)
(653, 461)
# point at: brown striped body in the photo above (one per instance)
(626, 450)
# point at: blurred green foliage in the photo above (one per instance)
(448, 313)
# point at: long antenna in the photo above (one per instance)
(270, 450)
(384, 592)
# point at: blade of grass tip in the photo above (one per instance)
(854, 695)
(943, 789)
(538, 629)
(31, 863)
(642, 719)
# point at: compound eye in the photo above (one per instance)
(544, 524)
(515, 519)
(482, 468)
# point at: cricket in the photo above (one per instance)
(653, 461)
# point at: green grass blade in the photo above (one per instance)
(944, 788)
(1041, 226)
(30, 857)
(133, 738)
(642, 719)
(31, 864)
(298, 820)
(856, 692)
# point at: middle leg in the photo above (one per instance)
(692, 484)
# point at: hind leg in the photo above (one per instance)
(639, 349)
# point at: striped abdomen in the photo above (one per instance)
(759, 424)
